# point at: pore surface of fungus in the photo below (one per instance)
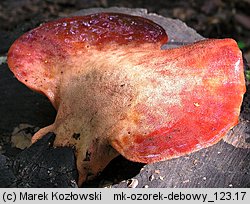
(116, 91)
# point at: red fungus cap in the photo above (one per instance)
(38, 57)
(114, 86)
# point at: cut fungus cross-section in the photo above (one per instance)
(115, 90)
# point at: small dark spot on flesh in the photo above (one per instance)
(122, 85)
(61, 72)
(87, 156)
(168, 137)
(26, 80)
(129, 133)
(76, 136)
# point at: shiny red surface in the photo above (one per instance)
(96, 30)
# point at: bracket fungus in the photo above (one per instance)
(116, 91)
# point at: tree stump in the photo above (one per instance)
(226, 164)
